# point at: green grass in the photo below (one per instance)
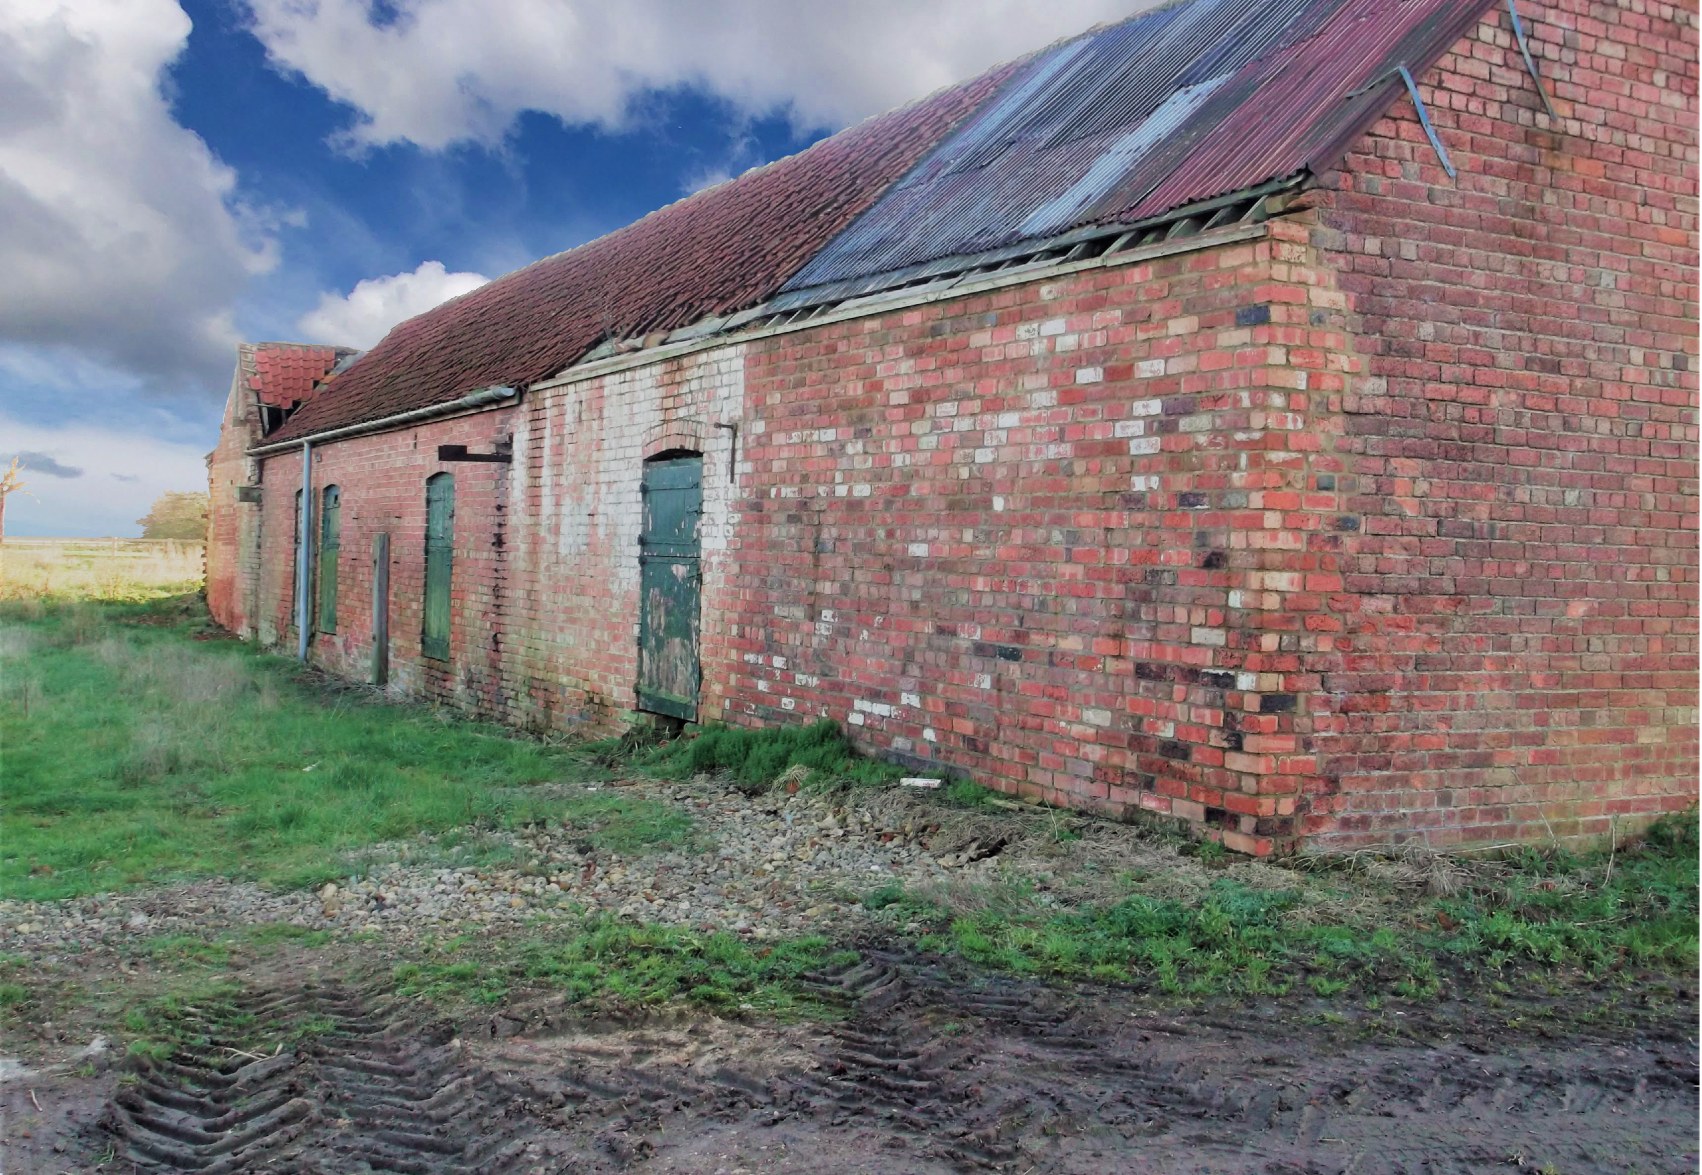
(625, 824)
(1548, 912)
(179, 949)
(135, 753)
(273, 934)
(209, 1016)
(608, 960)
(756, 758)
(187, 1017)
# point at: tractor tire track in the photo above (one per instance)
(1018, 1076)
(360, 1094)
(932, 1069)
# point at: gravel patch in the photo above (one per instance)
(767, 866)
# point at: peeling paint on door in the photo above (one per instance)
(670, 577)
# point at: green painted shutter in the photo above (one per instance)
(439, 555)
(295, 563)
(330, 540)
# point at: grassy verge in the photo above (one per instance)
(1596, 918)
(137, 753)
(606, 961)
(91, 570)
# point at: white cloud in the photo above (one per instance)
(123, 472)
(379, 303)
(120, 233)
(445, 71)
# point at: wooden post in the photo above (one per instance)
(381, 609)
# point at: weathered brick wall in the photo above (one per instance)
(382, 479)
(580, 448)
(231, 526)
(1036, 535)
(1378, 524)
(545, 579)
(1521, 443)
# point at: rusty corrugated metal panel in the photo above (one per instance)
(1298, 115)
(1167, 108)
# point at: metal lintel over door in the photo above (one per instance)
(670, 560)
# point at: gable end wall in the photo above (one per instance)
(1520, 441)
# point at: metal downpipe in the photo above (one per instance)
(304, 555)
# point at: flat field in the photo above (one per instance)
(743, 951)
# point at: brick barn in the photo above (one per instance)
(1276, 414)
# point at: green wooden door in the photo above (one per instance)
(439, 558)
(669, 576)
(330, 544)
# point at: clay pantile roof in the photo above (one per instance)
(718, 251)
(1176, 105)
(284, 374)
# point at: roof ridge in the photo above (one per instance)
(1167, 108)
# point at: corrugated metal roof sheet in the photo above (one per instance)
(1173, 106)
(721, 250)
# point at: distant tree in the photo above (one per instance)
(177, 514)
(10, 483)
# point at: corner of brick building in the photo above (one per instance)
(232, 551)
(1078, 539)
(1519, 443)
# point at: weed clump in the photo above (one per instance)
(755, 759)
(1602, 917)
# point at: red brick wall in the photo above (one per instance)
(382, 479)
(580, 450)
(1522, 442)
(1029, 535)
(1379, 525)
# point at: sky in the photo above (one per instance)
(179, 177)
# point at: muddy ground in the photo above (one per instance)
(931, 1067)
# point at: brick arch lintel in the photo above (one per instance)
(679, 433)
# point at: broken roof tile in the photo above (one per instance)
(284, 374)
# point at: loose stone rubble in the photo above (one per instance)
(766, 866)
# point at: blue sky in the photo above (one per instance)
(175, 177)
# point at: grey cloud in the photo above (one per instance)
(126, 477)
(42, 463)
